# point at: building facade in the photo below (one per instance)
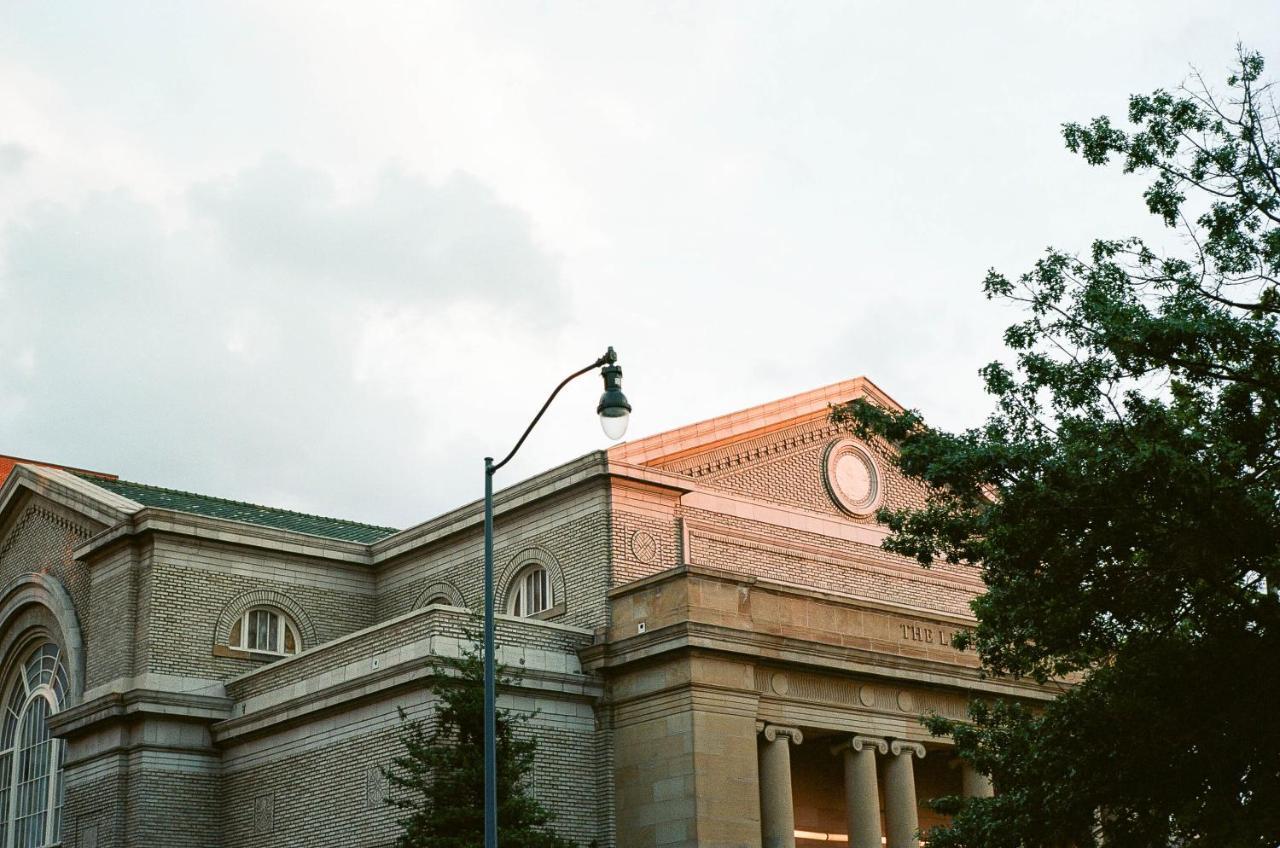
(716, 648)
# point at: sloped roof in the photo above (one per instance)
(263, 516)
(745, 424)
(8, 463)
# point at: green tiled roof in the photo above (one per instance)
(263, 516)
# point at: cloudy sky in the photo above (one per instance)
(328, 255)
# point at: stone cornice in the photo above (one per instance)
(409, 674)
(699, 637)
(158, 520)
(469, 515)
(117, 706)
(722, 575)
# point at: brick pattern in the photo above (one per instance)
(788, 468)
(337, 812)
(42, 540)
(434, 622)
(168, 808)
(628, 567)
(114, 617)
(186, 603)
(907, 583)
(572, 531)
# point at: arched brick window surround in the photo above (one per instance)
(37, 607)
(265, 598)
(517, 564)
(440, 587)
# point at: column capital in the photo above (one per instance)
(901, 746)
(771, 732)
(862, 743)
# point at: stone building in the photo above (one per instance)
(718, 650)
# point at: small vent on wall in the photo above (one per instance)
(641, 627)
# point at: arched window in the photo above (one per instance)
(265, 630)
(531, 592)
(439, 599)
(31, 789)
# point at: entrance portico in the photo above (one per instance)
(778, 751)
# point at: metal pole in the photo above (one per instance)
(490, 711)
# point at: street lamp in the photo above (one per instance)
(614, 412)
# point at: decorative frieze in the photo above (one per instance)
(837, 692)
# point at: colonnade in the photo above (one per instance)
(861, 788)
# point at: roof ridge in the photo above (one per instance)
(98, 480)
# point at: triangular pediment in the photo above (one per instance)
(786, 452)
(63, 489)
(719, 439)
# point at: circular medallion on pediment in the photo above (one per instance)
(643, 546)
(852, 477)
(866, 696)
(906, 701)
(779, 683)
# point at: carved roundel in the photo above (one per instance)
(643, 546)
(853, 478)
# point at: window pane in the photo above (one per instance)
(290, 641)
(234, 640)
(33, 775)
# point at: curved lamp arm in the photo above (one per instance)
(609, 358)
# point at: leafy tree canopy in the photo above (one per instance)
(438, 782)
(1123, 503)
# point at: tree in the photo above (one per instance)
(1122, 503)
(439, 779)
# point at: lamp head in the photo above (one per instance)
(614, 410)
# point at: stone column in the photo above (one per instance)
(975, 784)
(861, 795)
(902, 818)
(777, 813)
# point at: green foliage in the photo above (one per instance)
(1123, 504)
(438, 782)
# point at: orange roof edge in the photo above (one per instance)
(746, 423)
(7, 464)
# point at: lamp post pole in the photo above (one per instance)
(614, 411)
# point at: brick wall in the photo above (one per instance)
(190, 582)
(41, 538)
(345, 806)
(571, 528)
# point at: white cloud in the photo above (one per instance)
(277, 338)
(467, 201)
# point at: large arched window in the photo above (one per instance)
(30, 759)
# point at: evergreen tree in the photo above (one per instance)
(1122, 503)
(438, 782)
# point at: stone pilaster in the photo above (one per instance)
(902, 818)
(975, 784)
(861, 793)
(777, 812)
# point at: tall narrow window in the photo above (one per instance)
(31, 790)
(532, 592)
(264, 630)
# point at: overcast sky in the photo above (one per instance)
(327, 256)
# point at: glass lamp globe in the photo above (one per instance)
(615, 426)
